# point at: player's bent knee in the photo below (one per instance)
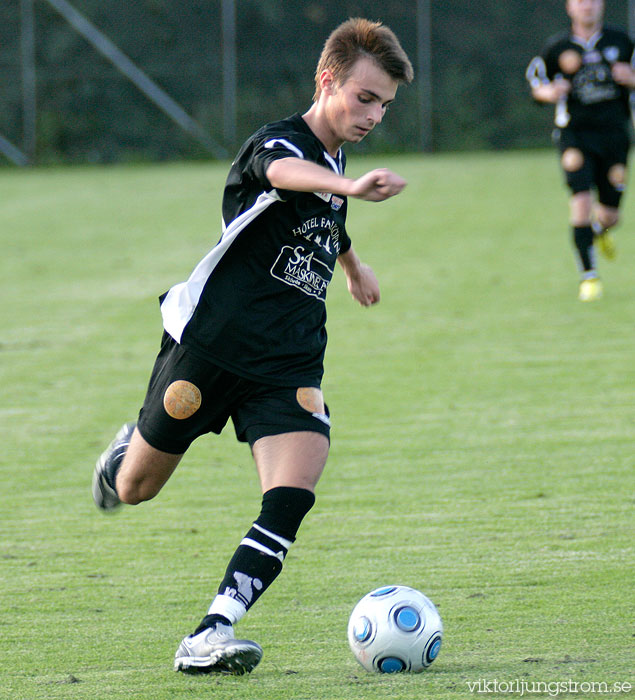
(609, 220)
(133, 491)
(132, 496)
(607, 216)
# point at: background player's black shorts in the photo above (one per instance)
(601, 151)
(188, 397)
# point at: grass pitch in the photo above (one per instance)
(482, 444)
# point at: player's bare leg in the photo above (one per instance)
(130, 470)
(291, 459)
(144, 471)
(581, 208)
(289, 466)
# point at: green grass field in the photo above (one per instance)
(482, 444)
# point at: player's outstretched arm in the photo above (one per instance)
(551, 92)
(377, 185)
(360, 278)
(623, 74)
(300, 175)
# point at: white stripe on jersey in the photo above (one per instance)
(337, 166)
(180, 302)
(536, 72)
(287, 144)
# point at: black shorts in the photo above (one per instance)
(188, 397)
(594, 160)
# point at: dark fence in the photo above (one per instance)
(87, 111)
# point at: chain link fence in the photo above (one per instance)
(86, 110)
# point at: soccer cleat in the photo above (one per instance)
(590, 289)
(215, 650)
(104, 494)
(606, 244)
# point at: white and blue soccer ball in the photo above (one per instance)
(395, 628)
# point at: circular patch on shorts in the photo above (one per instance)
(182, 399)
(570, 61)
(617, 175)
(572, 159)
(311, 399)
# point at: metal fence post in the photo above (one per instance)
(229, 71)
(424, 61)
(29, 100)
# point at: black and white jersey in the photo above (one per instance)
(255, 304)
(596, 101)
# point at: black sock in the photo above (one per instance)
(583, 240)
(210, 621)
(260, 555)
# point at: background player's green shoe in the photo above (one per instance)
(606, 244)
(590, 289)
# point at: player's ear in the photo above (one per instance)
(327, 82)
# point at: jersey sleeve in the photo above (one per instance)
(345, 243)
(543, 68)
(270, 147)
(627, 53)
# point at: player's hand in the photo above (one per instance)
(560, 88)
(377, 185)
(363, 286)
(623, 74)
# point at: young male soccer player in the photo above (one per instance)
(588, 74)
(244, 336)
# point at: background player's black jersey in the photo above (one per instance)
(596, 101)
(256, 303)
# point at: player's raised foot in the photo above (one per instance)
(605, 243)
(590, 289)
(215, 650)
(104, 494)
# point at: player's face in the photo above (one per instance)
(588, 13)
(356, 106)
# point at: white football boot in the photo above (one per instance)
(215, 650)
(104, 495)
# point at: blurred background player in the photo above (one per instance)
(245, 334)
(587, 72)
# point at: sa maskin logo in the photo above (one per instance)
(299, 268)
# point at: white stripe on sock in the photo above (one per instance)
(248, 542)
(285, 543)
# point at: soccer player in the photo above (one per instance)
(587, 73)
(244, 337)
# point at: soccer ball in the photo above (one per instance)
(395, 628)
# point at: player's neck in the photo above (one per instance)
(319, 125)
(585, 31)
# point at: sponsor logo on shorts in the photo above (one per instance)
(182, 399)
(310, 398)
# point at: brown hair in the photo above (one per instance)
(360, 38)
